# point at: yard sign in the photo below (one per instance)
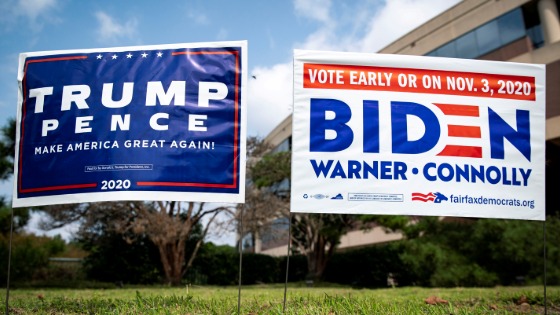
(409, 135)
(162, 122)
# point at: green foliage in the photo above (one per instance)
(316, 236)
(297, 268)
(330, 227)
(552, 251)
(552, 166)
(466, 253)
(368, 266)
(514, 248)
(112, 259)
(21, 217)
(433, 265)
(390, 222)
(30, 255)
(218, 264)
(7, 152)
(482, 252)
(258, 268)
(271, 168)
(7, 148)
(123, 255)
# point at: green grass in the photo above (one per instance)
(268, 299)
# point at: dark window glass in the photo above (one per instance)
(282, 223)
(511, 26)
(447, 50)
(283, 146)
(490, 36)
(486, 37)
(432, 53)
(466, 46)
(536, 35)
(247, 241)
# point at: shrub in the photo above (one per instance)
(218, 264)
(367, 267)
(297, 268)
(258, 268)
(30, 255)
(112, 259)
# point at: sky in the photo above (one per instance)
(273, 29)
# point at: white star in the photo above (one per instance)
(159, 54)
(144, 55)
(114, 56)
(129, 56)
(99, 56)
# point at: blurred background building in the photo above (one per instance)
(525, 31)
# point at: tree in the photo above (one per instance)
(112, 257)
(552, 173)
(7, 153)
(30, 255)
(262, 205)
(257, 214)
(168, 224)
(7, 149)
(21, 216)
(314, 235)
(481, 252)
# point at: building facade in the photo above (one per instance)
(524, 31)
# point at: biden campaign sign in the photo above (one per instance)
(162, 122)
(410, 135)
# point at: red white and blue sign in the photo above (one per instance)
(162, 122)
(412, 135)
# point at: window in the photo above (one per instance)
(284, 146)
(490, 36)
(466, 46)
(536, 35)
(511, 26)
(447, 50)
(486, 37)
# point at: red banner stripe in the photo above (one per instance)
(463, 131)
(459, 110)
(373, 78)
(462, 151)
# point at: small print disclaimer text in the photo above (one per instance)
(375, 197)
(119, 167)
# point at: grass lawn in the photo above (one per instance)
(268, 299)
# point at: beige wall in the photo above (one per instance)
(352, 239)
(281, 132)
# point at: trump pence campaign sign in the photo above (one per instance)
(410, 135)
(160, 122)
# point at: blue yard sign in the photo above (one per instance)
(160, 122)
